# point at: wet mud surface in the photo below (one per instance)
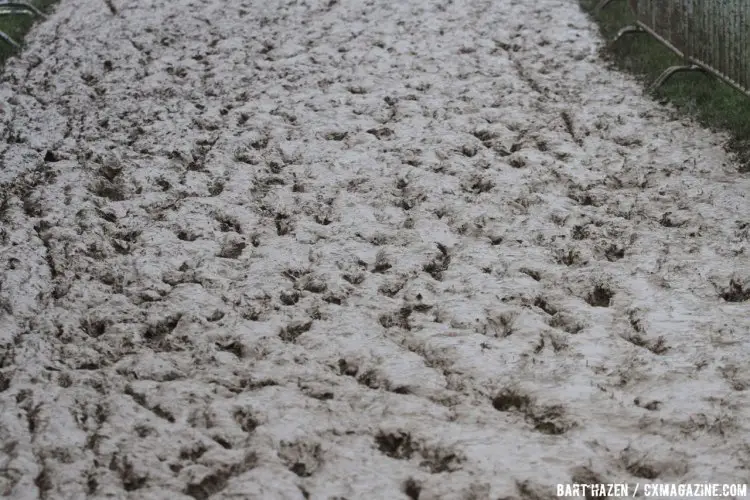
(348, 250)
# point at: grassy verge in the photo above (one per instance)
(16, 26)
(715, 104)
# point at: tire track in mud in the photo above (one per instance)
(358, 250)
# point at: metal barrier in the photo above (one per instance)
(8, 8)
(709, 35)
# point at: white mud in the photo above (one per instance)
(359, 250)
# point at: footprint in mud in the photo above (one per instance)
(353, 272)
(500, 325)
(571, 257)
(284, 224)
(398, 319)
(736, 291)
(439, 264)
(232, 246)
(294, 329)
(600, 296)
(547, 419)
(408, 197)
(567, 322)
(187, 235)
(640, 336)
(382, 262)
(478, 184)
(557, 317)
(228, 223)
(400, 445)
(646, 466)
(111, 190)
(305, 280)
(302, 457)
(391, 287)
(206, 485)
(157, 333)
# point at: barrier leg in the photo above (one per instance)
(634, 28)
(671, 71)
(20, 8)
(602, 4)
(9, 40)
(16, 9)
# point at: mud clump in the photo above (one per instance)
(600, 296)
(736, 292)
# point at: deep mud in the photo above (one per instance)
(359, 250)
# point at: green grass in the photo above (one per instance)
(715, 104)
(17, 26)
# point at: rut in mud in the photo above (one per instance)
(344, 250)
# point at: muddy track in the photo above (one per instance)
(343, 250)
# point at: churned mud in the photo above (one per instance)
(359, 250)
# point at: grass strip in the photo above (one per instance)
(715, 104)
(16, 26)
